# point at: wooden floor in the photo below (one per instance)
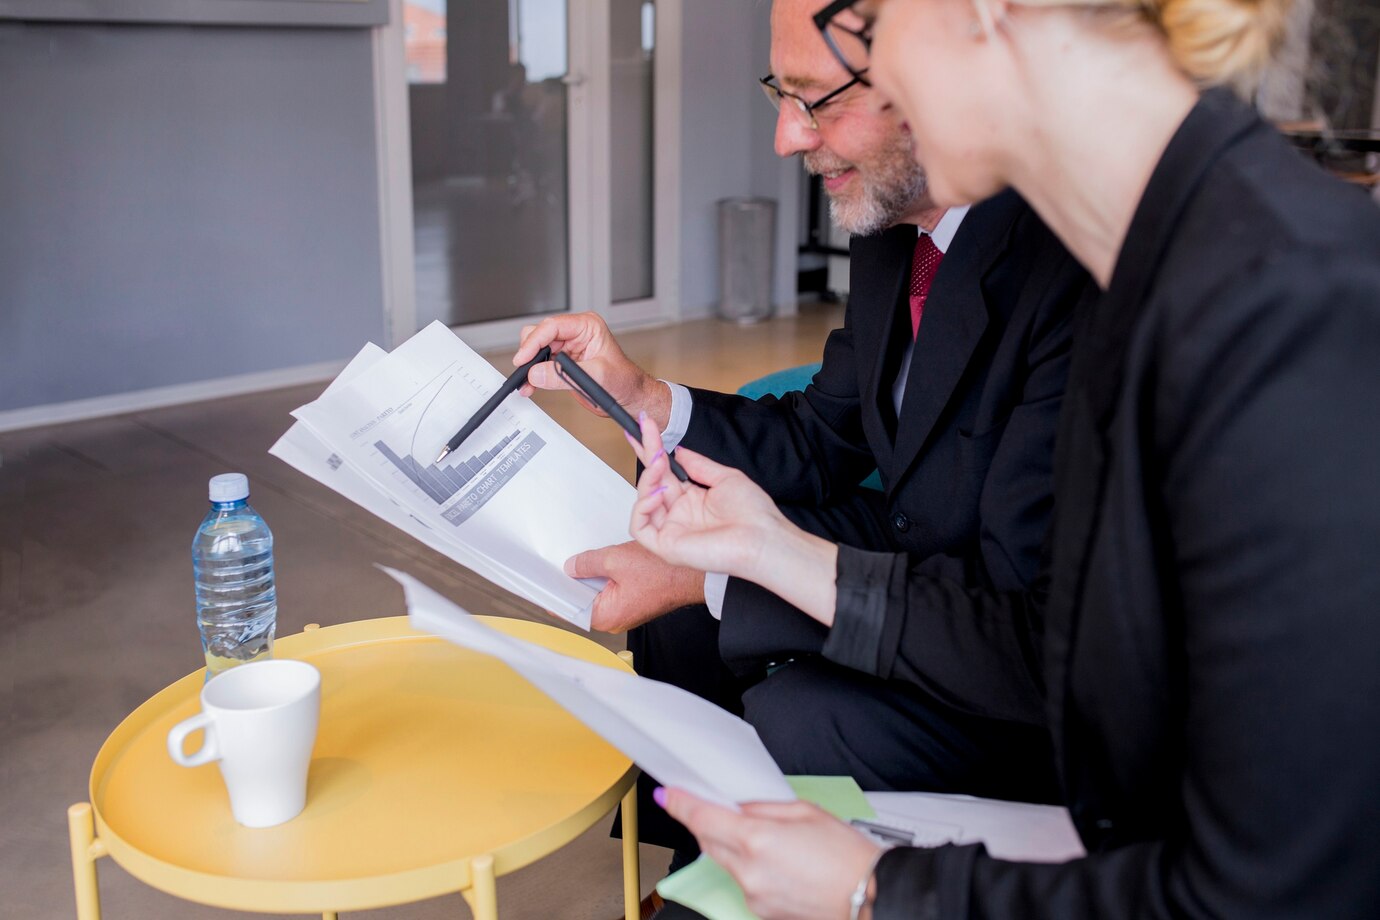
(96, 611)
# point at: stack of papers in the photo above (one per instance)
(512, 503)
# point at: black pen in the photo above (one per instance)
(514, 383)
(586, 386)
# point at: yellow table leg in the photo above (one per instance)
(483, 888)
(81, 827)
(632, 869)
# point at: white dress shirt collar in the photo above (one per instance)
(943, 232)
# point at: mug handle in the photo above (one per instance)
(209, 749)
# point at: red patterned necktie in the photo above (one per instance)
(922, 268)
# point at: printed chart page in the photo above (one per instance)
(306, 453)
(521, 492)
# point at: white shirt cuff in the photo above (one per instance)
(715, 585)
(679, 422)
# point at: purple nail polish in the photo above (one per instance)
(658, 490)
(642, 418)
(659, 796)
(658, 455)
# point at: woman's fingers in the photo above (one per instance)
(650, 509)
(656, 472)
(651, 438)
(783, 811)
(654, 496)
(701, 469)
(719, 830)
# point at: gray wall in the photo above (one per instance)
(726, 142)
(221, 12)
(182, 203)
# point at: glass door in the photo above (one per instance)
(542, 161)
(487, 94)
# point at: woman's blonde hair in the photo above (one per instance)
(1216, 42)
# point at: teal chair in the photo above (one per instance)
(779, 383)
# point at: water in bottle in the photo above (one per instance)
(232, 557)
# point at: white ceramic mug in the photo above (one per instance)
(260, 723)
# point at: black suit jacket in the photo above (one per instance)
(1207, 643)
(967, 466)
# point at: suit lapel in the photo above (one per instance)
(881, 269)
(956, 317)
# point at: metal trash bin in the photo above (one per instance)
(747, 250)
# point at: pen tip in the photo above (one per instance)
(442, 455)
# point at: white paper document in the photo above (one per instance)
(512, 503)
(675, 736)
(1015, 831)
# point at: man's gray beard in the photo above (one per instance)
(884, 201)
(894, 185)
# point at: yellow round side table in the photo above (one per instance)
(435, 770)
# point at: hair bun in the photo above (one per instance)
(1223, 41)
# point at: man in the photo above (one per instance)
(946, 378)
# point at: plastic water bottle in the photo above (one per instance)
(232, 557)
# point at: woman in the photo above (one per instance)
(1206, 638)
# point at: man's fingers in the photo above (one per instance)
(571, 332)
(544, 377)
(603, 616)
(532, 339)
(589, 564)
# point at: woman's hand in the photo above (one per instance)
(722, 521)
(719, 522)
(793, 860)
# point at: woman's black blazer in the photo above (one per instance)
(1205, 642)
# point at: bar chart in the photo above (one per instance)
(440, 483)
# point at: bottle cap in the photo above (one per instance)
(229, 487)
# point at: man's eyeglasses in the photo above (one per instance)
(852, 46)
(776, 94)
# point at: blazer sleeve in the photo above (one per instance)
(1266, 416)
(973, 647)
(801, 447)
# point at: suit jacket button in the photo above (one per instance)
(901, 521)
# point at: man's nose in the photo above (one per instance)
(793, 132)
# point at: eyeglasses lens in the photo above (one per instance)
(848, 45)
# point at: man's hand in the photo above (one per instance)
(641, 587)
(793, 860)
(586, 338)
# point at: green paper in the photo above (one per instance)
(704, 885)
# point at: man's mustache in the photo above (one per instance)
(818, 166)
